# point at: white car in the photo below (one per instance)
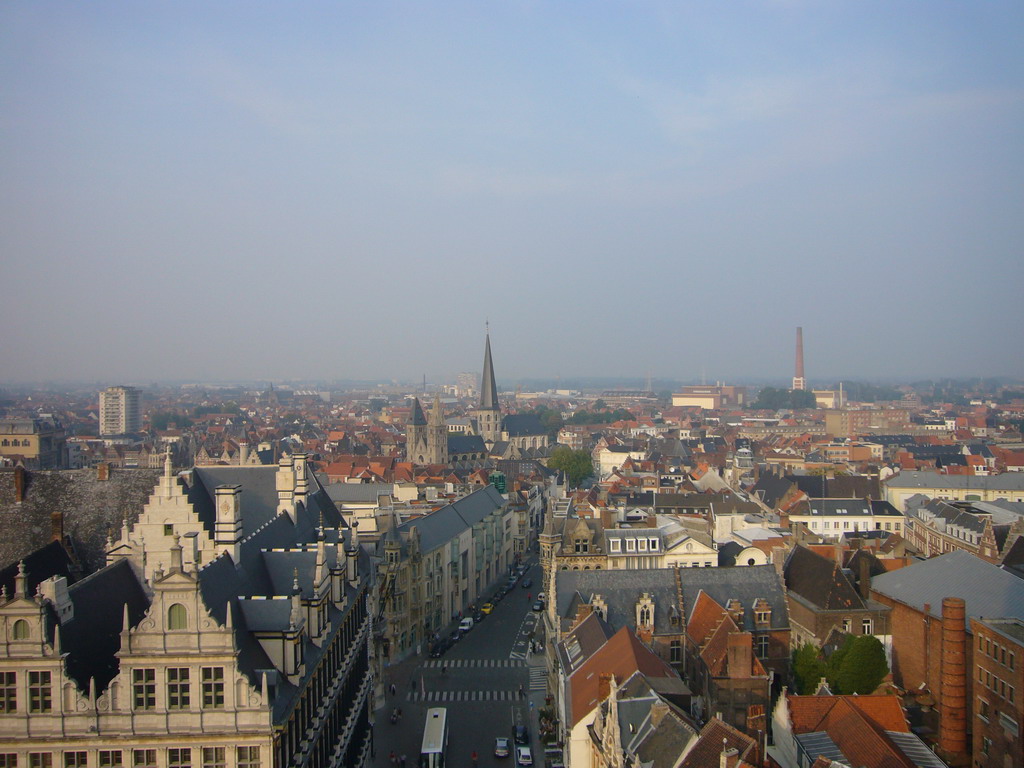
(524, 756)
(466, 624)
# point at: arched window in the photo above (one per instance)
(177, 617)
(20, 631)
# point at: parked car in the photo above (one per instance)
(527, 583)
(538, 605)
(501, 747)
(486, 607)
(466, 624)
(524, 756)
(520, 734)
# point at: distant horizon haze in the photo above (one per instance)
(322, 190)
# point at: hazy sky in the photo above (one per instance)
(220, 190)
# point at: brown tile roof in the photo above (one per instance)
(714, 737)
(621, 656)
(857, 725)
(704, 617)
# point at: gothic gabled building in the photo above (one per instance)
(427, 440)
(229, 629)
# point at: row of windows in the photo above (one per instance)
(14, 443)
(40, 692)
(179, 688)
(176, 757)
(995, 651)
(854, 526)
(995, 684)
(634, 545)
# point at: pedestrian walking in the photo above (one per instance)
(393, 689)
(401, 761)
(521, 692)
(393, 757)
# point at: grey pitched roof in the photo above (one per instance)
(417, 419)
(745, 584)
(986, 589)
(620, 590)
(93, 637)
(458, 444)
(520, 424)
(1008, 481)
(354, 493)
(446, 523)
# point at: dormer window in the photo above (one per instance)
(615, 545)
(631, 545)
(582, 546)
(653, 544)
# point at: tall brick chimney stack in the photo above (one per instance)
(953, 706)
(798, 381)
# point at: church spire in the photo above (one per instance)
(488, 389)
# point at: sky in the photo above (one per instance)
(302, 190)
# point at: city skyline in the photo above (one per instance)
(331, 191)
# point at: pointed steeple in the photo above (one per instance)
(418, 418)
(488, 389)
(437, 413)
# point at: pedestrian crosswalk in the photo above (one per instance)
(473, 663)
(538, 678)
(450, 696)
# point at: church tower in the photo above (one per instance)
(488, 414)
(437, 435)
(426, 442)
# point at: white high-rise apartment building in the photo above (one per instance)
(120, 410)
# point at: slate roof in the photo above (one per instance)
(844, 486)
(355, 493)
(93, 637)
(89, 507)
(986, 589)
(620, 589)
(820, 581)
(522, 425)
(448, 522)
(1008, 481)
(459, 444)
(50, 560)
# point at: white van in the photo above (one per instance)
(466, 624)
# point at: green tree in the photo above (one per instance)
(576, 464)
(858, 667)
(808, 668)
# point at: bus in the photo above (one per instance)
(435, 738)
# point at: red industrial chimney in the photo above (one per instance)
(953, 681)
(798, 380)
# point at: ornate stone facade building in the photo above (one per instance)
(229, 630)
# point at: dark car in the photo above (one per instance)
(538, 605)
(527, 583)
(520, 734)
(439, 648)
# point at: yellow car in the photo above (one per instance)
(486, 608)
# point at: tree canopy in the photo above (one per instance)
(808, 668)
(577, 465)
(773, 399)
(858, 667)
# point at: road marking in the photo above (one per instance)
(471, 663)
(538, 679)
(454, 696)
